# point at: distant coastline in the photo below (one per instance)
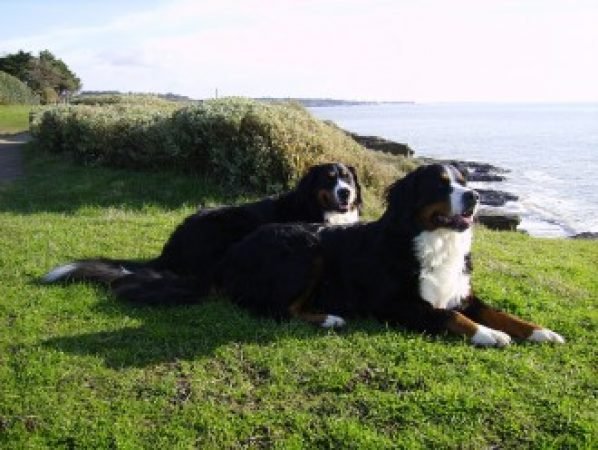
(322, 102)
(307, 102)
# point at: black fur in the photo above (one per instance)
(365, 270)
(203, 238)
(185, 268)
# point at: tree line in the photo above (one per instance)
(45, 74)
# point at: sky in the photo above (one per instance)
(385, 50)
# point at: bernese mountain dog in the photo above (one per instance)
(328, 193)
(411, 268)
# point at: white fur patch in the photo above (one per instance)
(546, 335)
(340, 184)
(441, 254)
(488, 337)
(333, 322)
(60, 273)
(338, 218)
(457, 193)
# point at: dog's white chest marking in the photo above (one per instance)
(441, 254)
(338, 218)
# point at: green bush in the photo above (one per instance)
(14, 92)
(118, 135)
(49, 96)
(121, 99)
(237, 141)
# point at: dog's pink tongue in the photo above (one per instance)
(457, 222)
(462, 222)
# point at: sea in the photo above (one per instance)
(550, 151)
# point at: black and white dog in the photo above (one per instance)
(328, 193)
(411, 267)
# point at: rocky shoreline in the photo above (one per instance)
(492, 200)
(476, 171)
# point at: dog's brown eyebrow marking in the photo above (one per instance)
(459, 176)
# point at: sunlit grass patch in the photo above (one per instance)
(14, 118)
(79, 369)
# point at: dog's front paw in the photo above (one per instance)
(333, 322)
(488, 337)
(546, 335)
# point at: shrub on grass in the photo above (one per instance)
(116, 135)
(237, 141)
(14, 92)
(121, 99)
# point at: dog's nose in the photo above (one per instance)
(343, 194)
(470, 199)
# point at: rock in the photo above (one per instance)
(499, 221)
(475, 171)
(480, 168)
(491, 197)
(486, 177)
(590, 235)
(382, 145)
(376, 143)
(481, 171)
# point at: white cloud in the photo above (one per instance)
(424, 50)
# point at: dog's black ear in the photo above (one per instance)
(305, 195)
(358, 199)
(401, 199)
(305, 186)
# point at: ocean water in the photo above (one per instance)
(550, 150)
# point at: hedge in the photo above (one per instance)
(14, 92)
(237, 141)
(149, 100)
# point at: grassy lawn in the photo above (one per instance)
(80, 370)
(14, 118)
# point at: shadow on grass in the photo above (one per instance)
(168, 334)
(54, 184)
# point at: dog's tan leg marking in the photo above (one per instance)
(510, 324)
(506, 322)
(299, 307)
(461, 325)
(517, 327)
(478, 334)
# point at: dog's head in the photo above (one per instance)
(335, 189)
(433, 197)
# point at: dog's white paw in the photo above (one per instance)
(488, 337)
(546, 335)
(333, 322)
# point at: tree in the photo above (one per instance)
(43, 74)
(65, 80)
(16, 64)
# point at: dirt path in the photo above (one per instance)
(11, 166)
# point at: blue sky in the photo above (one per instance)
(422, 50)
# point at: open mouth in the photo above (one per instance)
(458, 222)
(343, 206)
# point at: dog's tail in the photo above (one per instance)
(102, 271)
(137, 282)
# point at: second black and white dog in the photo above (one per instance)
(328, 193)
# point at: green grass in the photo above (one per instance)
(80, 370)
(14, 118)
